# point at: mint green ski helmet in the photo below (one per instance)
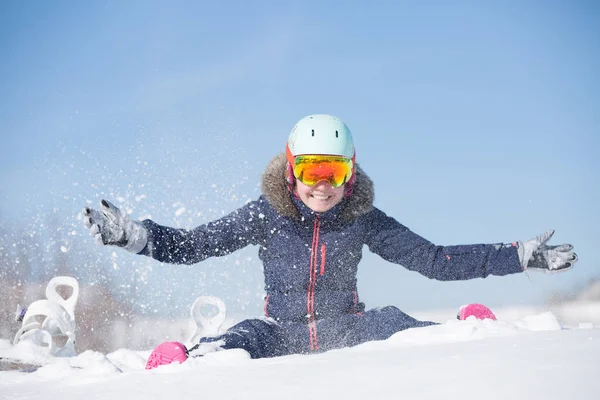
(321, 134)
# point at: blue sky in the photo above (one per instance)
(478, 122)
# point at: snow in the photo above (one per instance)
(532, 357)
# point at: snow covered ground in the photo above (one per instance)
(532, 357)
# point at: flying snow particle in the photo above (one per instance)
(64, 249)
(180, 212)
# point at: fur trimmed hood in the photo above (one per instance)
(274, 187)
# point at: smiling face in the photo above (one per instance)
(321, 197)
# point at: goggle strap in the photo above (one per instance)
(290, 157)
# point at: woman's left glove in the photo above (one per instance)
(538, 255)
(109, 226)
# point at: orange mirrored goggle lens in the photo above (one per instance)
(313, 169)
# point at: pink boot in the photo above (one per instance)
(479, 311)
(167, 353)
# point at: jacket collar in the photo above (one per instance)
(306, 212)
(274, 187)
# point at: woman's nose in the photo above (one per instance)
(323, 185)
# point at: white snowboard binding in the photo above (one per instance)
(206, 324)
(50, 323)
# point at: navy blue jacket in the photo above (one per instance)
(311, 259)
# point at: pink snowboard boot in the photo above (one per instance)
(479, 311)
(167, 353)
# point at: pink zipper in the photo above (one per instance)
(323, 259)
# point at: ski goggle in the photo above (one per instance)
(311, 169)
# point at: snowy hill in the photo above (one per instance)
(529, 358)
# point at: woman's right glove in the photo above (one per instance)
(109, 226)
(536, 254)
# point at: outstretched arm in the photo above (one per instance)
(396, 243)
(109, 226)
(239, 229)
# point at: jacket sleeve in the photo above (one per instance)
(239, 229)
(396, 243)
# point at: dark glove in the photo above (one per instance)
(109, 226)
(536, 254)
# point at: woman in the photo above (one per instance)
(311, 222)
